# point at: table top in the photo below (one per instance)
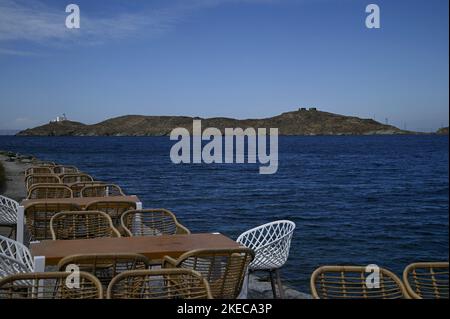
(153, 247)
(80, 201)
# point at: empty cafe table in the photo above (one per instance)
(80, 201)
(50, 252)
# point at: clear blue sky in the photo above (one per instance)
(236, 58)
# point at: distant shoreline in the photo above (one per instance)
(302, 122)
(281, 135)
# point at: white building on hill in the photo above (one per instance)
(59, 119)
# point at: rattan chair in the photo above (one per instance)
(44, 191)
(224, 269)
(14, 258)
(38, 217)
(271, 243)
(113, 208)
(41, 163)
(65, 169)
(47, 170)
(175, 283)
(8, 213)
(151, 222)
(77, 187)
(82, 225)
(50, 285)
(349, 282)
(31, 180)
(104, 190)
(76, 178)
(105, 266)
(427, 280)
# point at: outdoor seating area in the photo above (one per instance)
(121, 250)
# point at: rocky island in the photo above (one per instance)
(301, 122)
(442, 131)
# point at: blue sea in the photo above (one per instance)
(355, 200)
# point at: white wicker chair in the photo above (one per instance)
(271, 243)
(14, 258)
(8, 213)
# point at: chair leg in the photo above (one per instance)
(272, 282)
(243, 294)
(248, 283)
(280, 285)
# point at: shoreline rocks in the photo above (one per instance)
(260, 288)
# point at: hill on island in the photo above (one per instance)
(443, 131)
(300, 122)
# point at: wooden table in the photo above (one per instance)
(80, 201)
(50, 252)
